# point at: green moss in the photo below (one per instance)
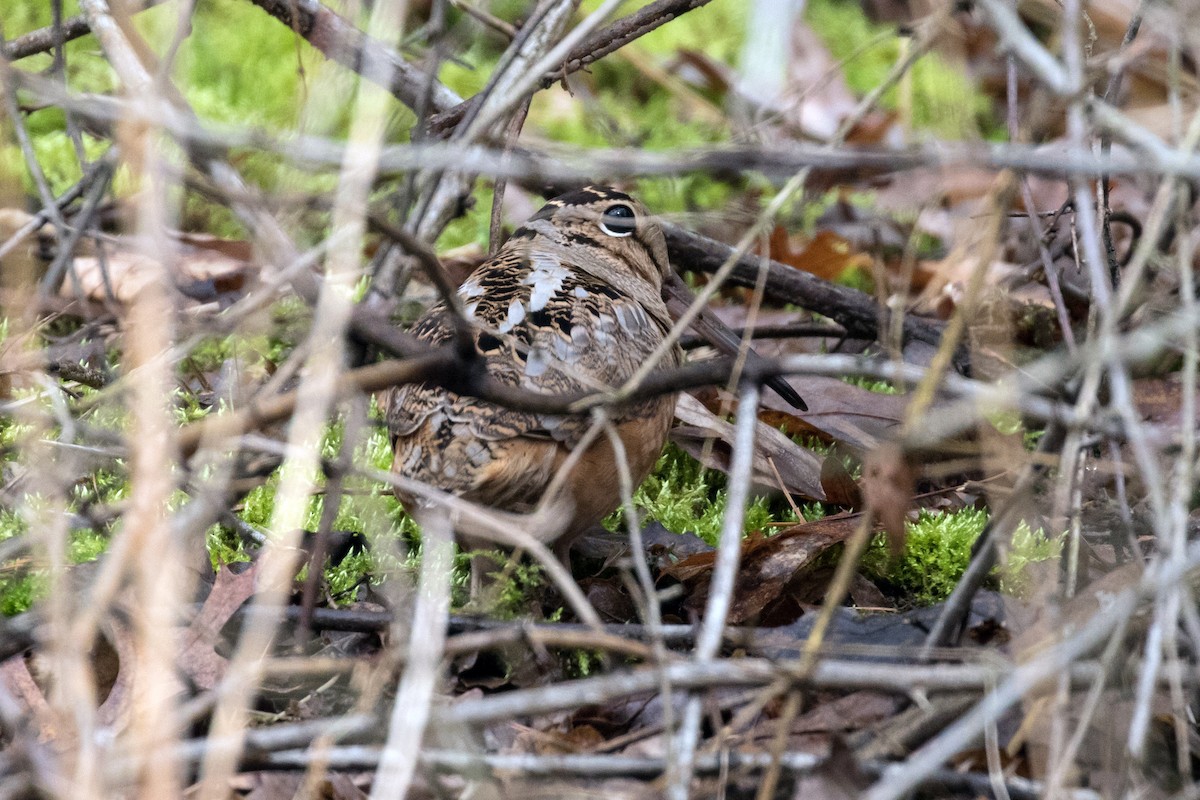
(878, 387)
(936, 554)
(224, 547)
(938, 551)
(684, 496)
(944, 101)
(1027, 547)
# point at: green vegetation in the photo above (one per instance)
(938, 550)
(944, 102)
(1027, 547)
(239, 66)
(685, 496)
(878, 387)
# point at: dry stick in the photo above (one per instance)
(160, 582)
(720, 592)
(544, 637)
(1119, 380)
(49, 205)
(1161, 639)
(1001, 198)
(602, 43)
(1107, 662)
(559, 164)
(360, 758)
(652, 613)
(426, 637)
(42, 216)
(318, 389)
(100, 175)
(829, 673)
(334, 491)
(898, 780)
(43, 39)
(264, 411)
(86, 623)
(778, 747)
(497, 220)
(1012, 97)
(980, 398)
(1018, 40)
(1182, 489)
(856, 311)
(443, 189)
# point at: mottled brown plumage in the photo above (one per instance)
(572, 301)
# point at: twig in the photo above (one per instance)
(593, 48)
(264, 411)
(829, 673)
(720, 593)
(900, 779)
(426, 637)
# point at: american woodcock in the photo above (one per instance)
(572, 302)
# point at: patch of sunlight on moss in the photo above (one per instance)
(944, 101)
(466, 75)
(650, 124)
(86, 545)
(241, 65)
(23, 580)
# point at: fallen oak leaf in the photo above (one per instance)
(197, 655)
(770, 565)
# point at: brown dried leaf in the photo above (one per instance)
(197, 658)
(770, 565)
(888, 480)
(838, 412)
(840, 488)
(120, 652)
(204, 268)
(19, 684)
(776, 457)
(826, 255)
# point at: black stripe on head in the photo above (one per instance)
(580, 197)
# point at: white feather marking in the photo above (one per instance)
(516, 313)
(470, 288)
(580, 292)
(536, 363)
(546, 278)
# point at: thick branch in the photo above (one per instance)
(856, 311)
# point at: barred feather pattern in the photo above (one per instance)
(572, 302)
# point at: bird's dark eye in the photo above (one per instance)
(618, 220)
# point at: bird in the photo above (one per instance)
(573, 301)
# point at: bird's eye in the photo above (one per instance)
(618, 220)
